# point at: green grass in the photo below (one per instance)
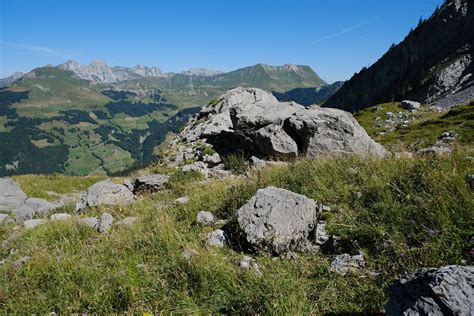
(425, 129)
(402, 213)
(39, 185)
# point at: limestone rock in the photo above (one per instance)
(91, 222)
(278, 220)
(105, 223)
(127, 221)
(105, 193)
(216, 238)
(205, 218)
(5, 219)
(32, 207)
(182, 200)
(11, 195)
(60, 217)
(445, 291)
(187, 254)
(33, 223)
(150, 183)
(346, 263)
(17, 264)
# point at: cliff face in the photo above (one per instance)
(433, 62)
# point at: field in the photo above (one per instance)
(401, 213)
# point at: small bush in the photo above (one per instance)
(236, 163)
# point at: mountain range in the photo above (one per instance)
(95, 119)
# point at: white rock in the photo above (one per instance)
(60, 217)
(11, 195)
(92, 222)
(127, 221)
(182, 200)
(216, 238)
(105, 223)
(205, 218)
(345, 263)
(33, 223)
(105, 193)
(5, 219)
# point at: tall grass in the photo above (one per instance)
(403, 214)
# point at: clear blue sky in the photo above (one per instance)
(335, 37)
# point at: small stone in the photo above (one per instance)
(205, 218)
(321, 234)
(216, 238)
(33, 223)
(325, 208)
(187, 254)
(290, 255)
(212, 160)
(92, 222)
(17, 264)
(127, 221)
(5, 219)
(105, 223)
(248, 263)
(182, 200)
(141, 266)
(346, 263)
(60, 217)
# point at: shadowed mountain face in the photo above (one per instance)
(434, 61)
(309, 96)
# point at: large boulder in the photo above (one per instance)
(254, 121)
(105, 193)
(11, 195)
(278, 220)
(446, 291)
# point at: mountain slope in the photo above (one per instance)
(309, 96)
(63, 123)
(434, 61)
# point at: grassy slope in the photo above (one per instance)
(403, 214)
(426, 127)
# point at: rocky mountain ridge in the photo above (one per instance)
(434, 62)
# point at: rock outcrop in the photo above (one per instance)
(446, 291)
(278, 220)
(433, 62)
(11, 195)
(105, 193)
(149, 183)
(253, 121)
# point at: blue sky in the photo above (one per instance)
(335, 37)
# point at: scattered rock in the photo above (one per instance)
(212, 160)
(410, 105)
(105, 223)
(150, 183)
(5, 219)
(278, 220)
(127, 221)
(216, 238)
(17, 264)
(92, 222)
(257, 163)
(33, 207)
(248, 263)
(205, 218)
(198, 166)
(187, 254)
(33, 223)
(448, 137)
(322, 236)
(182, 200)
(11, 195)
(105, 193)
(60, 217)
(445, 291)
(346, 263)
(434, 151)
